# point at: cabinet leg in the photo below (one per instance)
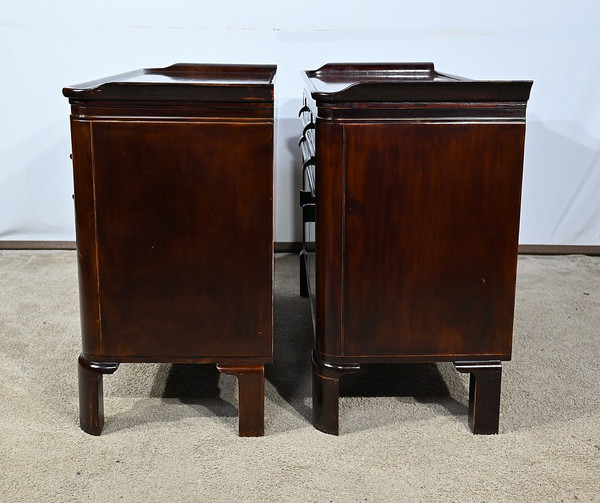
(484, 395)
(91, 400)
(326, 393)
(251, 397)
(303, 275)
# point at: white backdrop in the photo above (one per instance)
(48, 45)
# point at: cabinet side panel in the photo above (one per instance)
(432, 219)
(185, 236)
(329, 236)
(85, 226)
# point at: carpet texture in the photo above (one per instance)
(171, 430)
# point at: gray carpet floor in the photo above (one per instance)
(171, 430)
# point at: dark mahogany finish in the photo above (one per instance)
(91, 401)
(417, 192)
(251, 406)
(173, 173)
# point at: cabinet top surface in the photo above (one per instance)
(182, 81)
(337, 82)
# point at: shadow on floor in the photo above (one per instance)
(290, 373)
(427, 383)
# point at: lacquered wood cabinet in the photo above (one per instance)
(173, 173)
(413, 179)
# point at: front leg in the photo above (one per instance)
(326, 392)
(251, 397)
(91, 400)
(484, 395)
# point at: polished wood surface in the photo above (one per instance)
(173, 173)
(251, 392)
(91, 399)
(175, 244)
(485, 379)
(182, 82)
(390, 84)
(438, 277)
(326, 390)
(418, 186)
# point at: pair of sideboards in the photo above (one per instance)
(410, 202)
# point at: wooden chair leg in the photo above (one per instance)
(326, 393)
(484, 395)
(91, 400)
(251, 397)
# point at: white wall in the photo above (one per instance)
(47, 45)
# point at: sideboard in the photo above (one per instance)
(173, 174)
(411, 202)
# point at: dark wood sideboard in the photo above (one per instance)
(411, 202)
(173, 174)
